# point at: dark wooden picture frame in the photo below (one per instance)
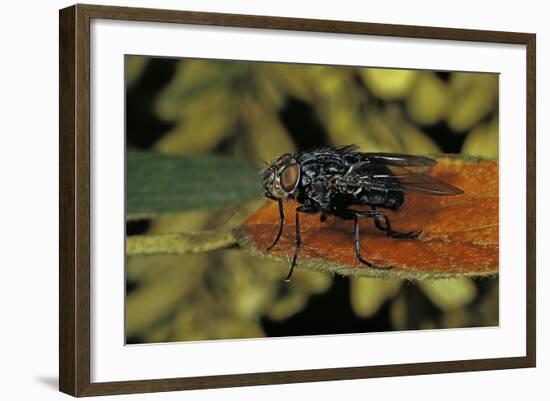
(74, 296)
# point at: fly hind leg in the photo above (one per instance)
(349, 214)
(357, 243)
(388, 230)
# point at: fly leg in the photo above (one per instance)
(356, 242)
(351, 214)
(281, 224)
(356, 239)
(388, 230)
(298, 240)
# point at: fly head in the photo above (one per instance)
(280, 179)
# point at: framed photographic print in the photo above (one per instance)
(250, 200)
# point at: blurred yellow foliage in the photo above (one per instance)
(450, 294)
(428, 101)
(389, 84)
(236, 108)
(368, 294)
(211, 295)
(483, 140)
(216, 101)
(133, 68)
(473, 96)
(267, 138)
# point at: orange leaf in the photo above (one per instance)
(459, 233)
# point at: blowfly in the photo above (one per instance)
(335, 181)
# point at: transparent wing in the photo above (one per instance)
(346, 148)
(389, 159)
(398, 159)
(407, 180)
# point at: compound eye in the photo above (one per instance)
(289, 177)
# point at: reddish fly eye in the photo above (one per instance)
(289, 177)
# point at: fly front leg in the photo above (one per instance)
(387, 228)
(298, 240)
(281, 224)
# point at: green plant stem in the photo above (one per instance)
(179, 243)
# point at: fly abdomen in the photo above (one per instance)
(390, 199)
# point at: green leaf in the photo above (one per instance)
(159, 184)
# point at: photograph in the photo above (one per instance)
(270, 199)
